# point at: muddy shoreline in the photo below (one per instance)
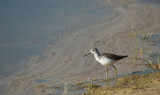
(116, 33)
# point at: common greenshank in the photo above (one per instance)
(106, 59)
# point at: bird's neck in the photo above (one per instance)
(96, 55)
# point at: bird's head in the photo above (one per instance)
(94, 51)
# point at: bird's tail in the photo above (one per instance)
(125, 56)
(121, 57)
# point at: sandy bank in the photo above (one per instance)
(64, 62)
(147, 84)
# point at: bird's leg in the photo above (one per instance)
(106, 72)
(115, 70)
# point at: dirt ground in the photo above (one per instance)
(147, 84)
(64, 62)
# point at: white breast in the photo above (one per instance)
(104, 60)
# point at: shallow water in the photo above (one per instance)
(70, 29)
(28, 27)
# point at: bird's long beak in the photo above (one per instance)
(86, 54)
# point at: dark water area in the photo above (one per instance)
(27, 27)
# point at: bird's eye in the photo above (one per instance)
(93, 50)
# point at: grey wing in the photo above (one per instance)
(113, 56)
